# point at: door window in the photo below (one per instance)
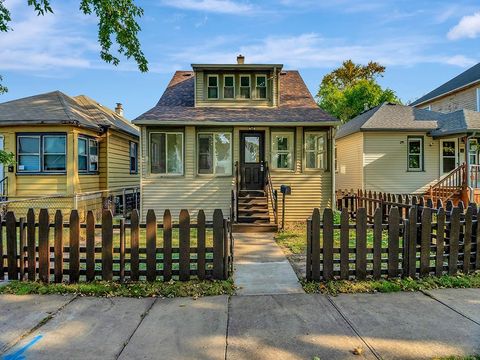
(449, 159)
(252, 149)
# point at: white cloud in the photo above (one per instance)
(468, 27)
(460, 60)
(215, 6)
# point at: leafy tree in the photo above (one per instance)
(348, 90)
(6, 158)
(116, 24)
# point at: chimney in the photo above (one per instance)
(240, 59)
(119, 109)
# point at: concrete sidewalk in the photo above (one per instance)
(287, 326)
(261, 267)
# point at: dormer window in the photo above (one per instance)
(261, 86)
(245, 86)
(212, 86)
(228, 87)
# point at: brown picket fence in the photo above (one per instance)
(38, 249)
(430, 242)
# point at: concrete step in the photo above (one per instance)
(254, 228)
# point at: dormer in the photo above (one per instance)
(237, 85)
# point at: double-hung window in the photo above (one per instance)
(245, 86)
(133, 157)
(315, 150)
(212, 86)
(261, 86)
(228, 87)
(215, 153)
(87, 154)
(166, 153)
(282, 150)
(41, 153)
(415, 153)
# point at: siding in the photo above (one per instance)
(118, 162)
(385, 163)
(464, 99)
(350, 162)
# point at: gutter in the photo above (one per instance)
(236, 123)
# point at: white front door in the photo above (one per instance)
(448, 155)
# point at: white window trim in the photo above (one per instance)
(39, 154)
(275, 151)
(234, 90)
(324, 152)
(266, 87)
(422, 165)
(166, 154)
(478, 99)
(208, 87)
(88, 171)
(441, 153)
(64, 153)
(249, 83)
(214, 165)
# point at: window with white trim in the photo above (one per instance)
(212, 81)
(315, 150)
(261, 86)
(478, 99)
(228, 87)
(133, 157)
(282, 150)
(87, 154)
(245, 86)
(41, 153)
(415, 153)
(215, 153)
(166, 153)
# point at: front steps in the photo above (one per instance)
(253, 213)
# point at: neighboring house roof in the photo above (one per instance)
(177, 105)
(468, 77)
(458, 122)
(391, 117)
(58, 108)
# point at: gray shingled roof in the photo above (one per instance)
(469, 76)
(391, 117)
(58, 108)
(458, 122)
(176, 106)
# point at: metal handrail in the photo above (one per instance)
(235, 192)
(272, 194)
(4, 187)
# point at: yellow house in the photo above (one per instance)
(70, 153)
(228, 136)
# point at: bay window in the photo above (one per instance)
(315, 150)
(166, 153)
(87, 155)
(261, 86)
(282, 150)
(41, 153)
(228, 87)
(245, 86)
(214, 153)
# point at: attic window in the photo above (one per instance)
(228, 87)
(245, 86)
(212, 86)
(261, 86)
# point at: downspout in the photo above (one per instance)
(333, 132)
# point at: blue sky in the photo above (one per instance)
(422, 43)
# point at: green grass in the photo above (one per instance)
(471, 357)
(193, 288)
(336, 287)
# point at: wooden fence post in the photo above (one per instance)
(201, 245)
(74, 255)
(184, 235)
(425, 242)
(225, 248)
(218, 244)
(316, 245)
(58, 247)
(309, 250)
(90, 246)
(31, 245)
(377, 243)
(107, 245)
(22, 247)
(44, 246)
(11, 224)
(361, 245)
(151, 244)
(440, 242)
(467, 240)
(328, 244)
(134, 240)
(167, 246)
(393, 242)
(344, 245)
(122, 250)
(454, 241)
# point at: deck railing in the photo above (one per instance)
(450, 186)
(271, 193)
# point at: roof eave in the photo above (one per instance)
(415, 103)
(237, 123)
(236, 66)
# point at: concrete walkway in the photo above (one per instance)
(291, 326)
(261, 267)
